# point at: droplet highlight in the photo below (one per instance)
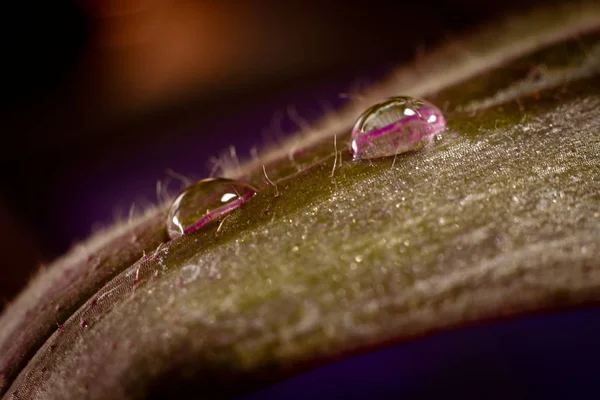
(205, 201)
(394, 126)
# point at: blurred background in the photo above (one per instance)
(101, 99)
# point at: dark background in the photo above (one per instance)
(101, 98)
(552, 356)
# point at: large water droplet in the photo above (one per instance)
(394, 126)
(205, 201)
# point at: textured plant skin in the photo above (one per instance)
(57, 291)
(499, 218)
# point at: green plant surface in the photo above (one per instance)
(60, 289)
(498, 218)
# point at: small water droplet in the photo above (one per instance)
(584, 249)
(205, 201)
(394, 126)
(84, 324)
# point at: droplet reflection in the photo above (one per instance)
(394, 126)
(205, 201)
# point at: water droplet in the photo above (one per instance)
(205, 201)
(394, 126)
